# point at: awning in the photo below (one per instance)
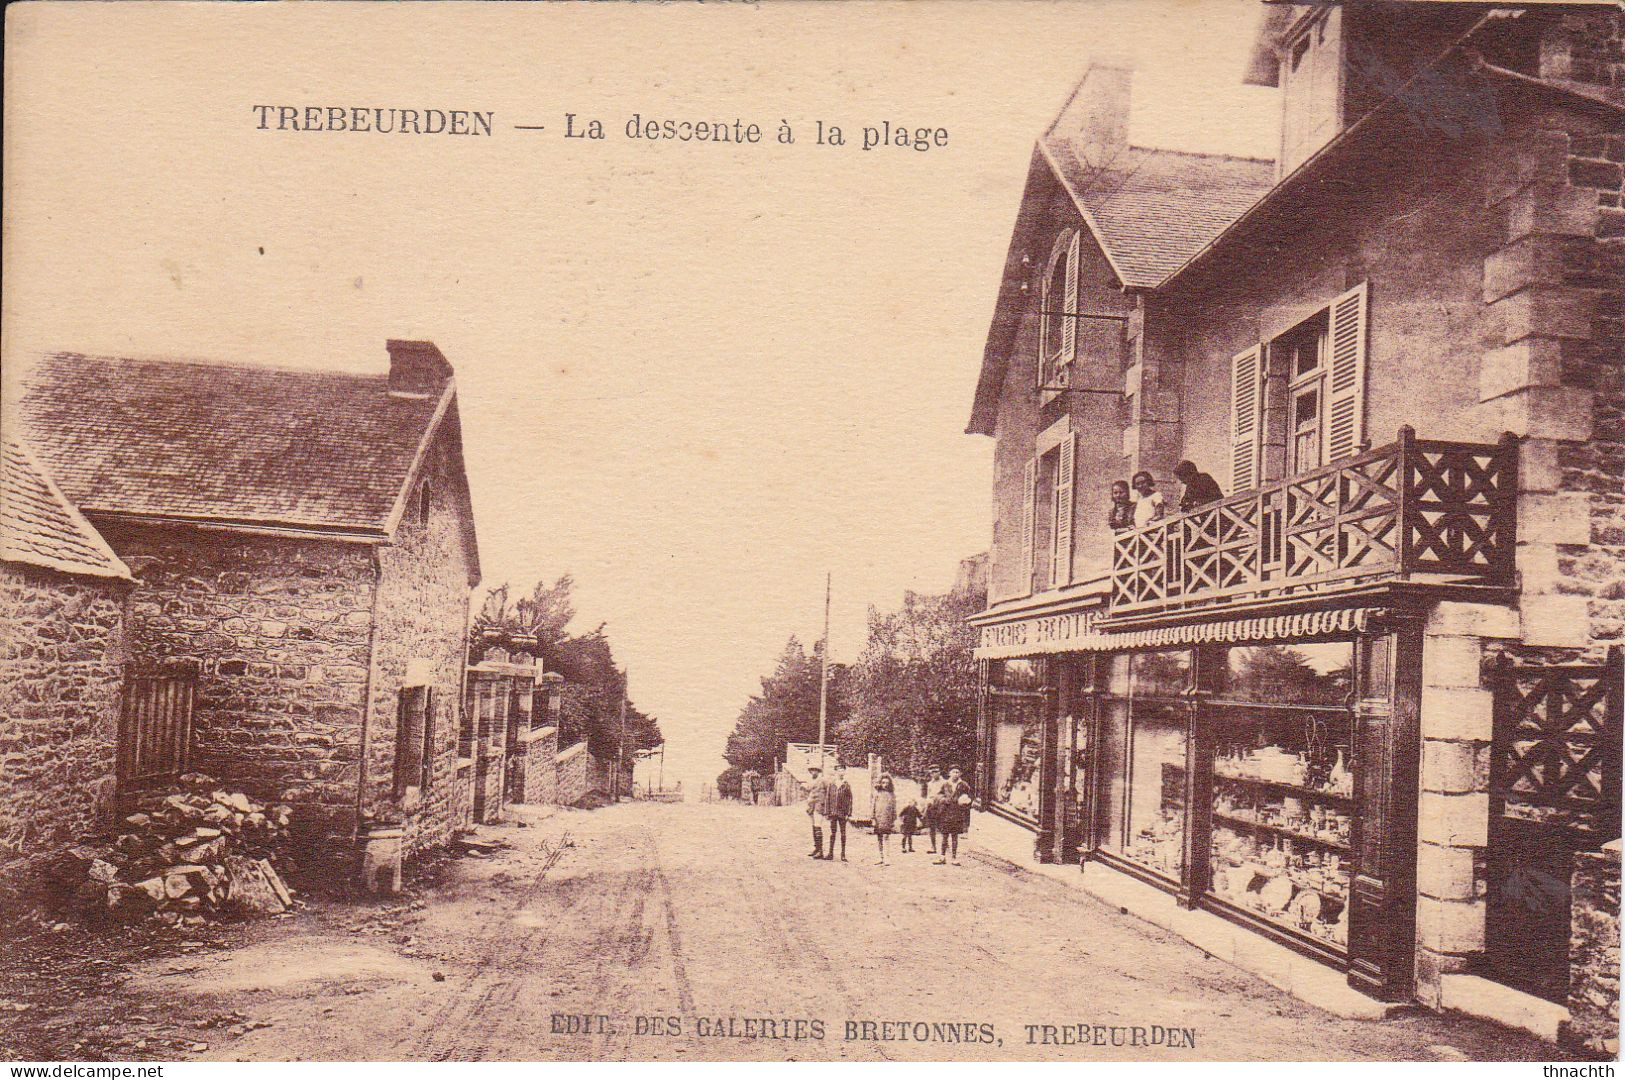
(1264, 628)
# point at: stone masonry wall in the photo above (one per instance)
(574, 775)
(276, 632)
(422, 613)
(1554, 377)
(541, 784)
(1594, 954)
(61, 676)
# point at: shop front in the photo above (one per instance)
(1263, 770)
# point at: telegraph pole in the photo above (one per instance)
(823, 678)
(620, 760)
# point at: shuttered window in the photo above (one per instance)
(155, 728)
(414, 738)
(1028, 524)
(1061, 561)
(1058, 329)
(1069, 324)
(1345, 383)
(1244, 402)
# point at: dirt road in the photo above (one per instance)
(711, 924)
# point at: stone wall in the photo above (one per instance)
(574, 774)
(1594, 954)
(61, 676)
(537, 763)
(276, 632)
(421, 639)
(1553, 376)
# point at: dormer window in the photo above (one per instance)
(1058, 328)
(1311, 80)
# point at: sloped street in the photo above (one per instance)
(703, 932)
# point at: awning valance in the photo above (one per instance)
(1264, 628)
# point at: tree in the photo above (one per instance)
(914, 685)
(786, 710)
(590, 702)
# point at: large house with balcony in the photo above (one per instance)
(1366, 705)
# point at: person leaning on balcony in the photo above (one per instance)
(1121, 515)
(1200, 488)
(1148, 503)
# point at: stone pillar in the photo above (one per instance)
(1542, 287)
(1453, 811)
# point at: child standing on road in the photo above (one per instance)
(909, 818)
(884, 814)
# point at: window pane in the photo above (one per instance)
(1283, 813)
(1161, 674)
(1299, 674)
(1017, 752)
(1156, 814)
(1016, 674)
(1113, 762)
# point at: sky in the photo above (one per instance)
(694, 376)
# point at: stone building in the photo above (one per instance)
(1364, 708)
(62, 602)
(303, 549)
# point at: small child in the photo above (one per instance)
(909, 818)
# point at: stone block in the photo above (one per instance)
(1551, 210)
(1431, 969)
(1132, 379)
(1530, 362)
(1456, 713)
(1488, 1000)
(1532, 260)
(1451, 661)
(1539, 568)
(1450, 926)
(1561, 518)
(1539, 160)
(1446, 873)
(1460, 618)
(1453, 820)
(1543, 311)
(1455, 768)
(1555, 620)
(1539, 412)
(1538, 466)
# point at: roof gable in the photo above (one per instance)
(229, 444)
(40, 527)
(1152, 209)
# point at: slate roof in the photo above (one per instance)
(39, 526)
(225, 442)
(1153, 209)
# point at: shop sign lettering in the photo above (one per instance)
(1041, 634)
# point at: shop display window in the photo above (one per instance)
(1018, 750)
(1156, 810)
(1283, 787)
(1112, 763)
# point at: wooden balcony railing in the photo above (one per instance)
(1414, 510)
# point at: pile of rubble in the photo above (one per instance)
(191, 855)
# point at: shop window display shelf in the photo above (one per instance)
(1341, 847)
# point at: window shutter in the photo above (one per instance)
(1345, 381)
(1244, 384)
(1061, 565)
(1069, 324)
(1030, 492)
(428, 737)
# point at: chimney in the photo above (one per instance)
(1096, 119)
(416, 367)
